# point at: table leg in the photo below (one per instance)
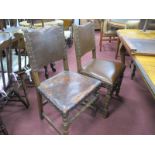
(122, 53)
(117, 51)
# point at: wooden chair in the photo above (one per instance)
(110, 73)
(9, 87)
(8, 78)
(65, 90)
(20, 61)
(106, 33)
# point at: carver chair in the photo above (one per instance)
(107, 33)
(67, 89)
(110, 73)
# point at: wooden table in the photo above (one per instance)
(120, 23)
(141, 47)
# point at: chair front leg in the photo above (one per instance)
(65, 123)
(107, 101)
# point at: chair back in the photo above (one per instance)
(84, 39)
(132, 24)
(44, 46)
(105, 26)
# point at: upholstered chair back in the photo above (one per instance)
(46, 45)
(84, 38)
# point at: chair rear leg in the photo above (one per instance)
(107, 101)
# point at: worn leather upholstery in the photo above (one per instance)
(67, 89)
(50, 40)
(107, 71)
(84, 38)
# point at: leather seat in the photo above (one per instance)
(67, 89)
(103, 70)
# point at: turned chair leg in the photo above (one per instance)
(65, 123)
(107, 101)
